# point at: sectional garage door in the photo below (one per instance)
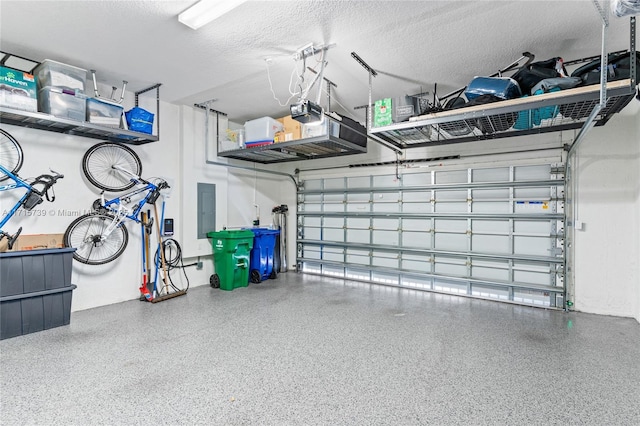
(492, 233)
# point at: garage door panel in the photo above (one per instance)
(358, 208)
(313, 221)
(497, 244)
(490, 194)
(451, 207)
(490, 226)
(453, 176)
(358, 197)
(416, 239)
(491, 175)
(359, 182)
(491, 207)
(334, 183)
(312, 233)
(416, 196)
(486, 234)
(489, 273)
(537, 246)
(532, 227)
(423, 208)
(448, 266)
(386, 224)
(386, 207)
(358, 236)
(446, 241)
(416, 179)
(333, 208)
(416, 224)
(358, 223)
(333, 222)
(385, 237)
(333, 235)
(451, 195)
(451, 225)
(537, 172)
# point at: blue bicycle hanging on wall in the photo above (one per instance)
(11, 159)
(101, 236)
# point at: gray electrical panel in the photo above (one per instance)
(206, 209)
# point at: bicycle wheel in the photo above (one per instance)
(98, 165)
(86, 235)
(10, 154)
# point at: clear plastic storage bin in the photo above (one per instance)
(103, 112)
(62, 103)
(56, 74)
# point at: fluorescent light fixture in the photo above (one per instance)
(205, 11)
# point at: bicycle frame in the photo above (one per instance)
(18, 183)
(120, 211)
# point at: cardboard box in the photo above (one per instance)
(292, 129)
(279, 137)
(38, 242)
(18, 90)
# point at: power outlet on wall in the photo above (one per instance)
(199, 265)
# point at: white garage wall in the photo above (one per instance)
(607, 250)
(119, 280)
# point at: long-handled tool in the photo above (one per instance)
(144, 289)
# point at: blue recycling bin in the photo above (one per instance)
(261, 258)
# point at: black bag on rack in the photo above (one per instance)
(618, 68)
(530, 75)
(494, 123)
(352, 131)
(459, 127)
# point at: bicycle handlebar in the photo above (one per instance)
(47, 181)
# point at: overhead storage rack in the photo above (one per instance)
(577, 108)
(324, 146)
(566, 110)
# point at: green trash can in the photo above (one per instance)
(231, 252)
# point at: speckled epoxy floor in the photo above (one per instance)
(305, 350)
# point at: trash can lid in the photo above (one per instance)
(264, 231)
(230, 233)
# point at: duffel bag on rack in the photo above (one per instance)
(530, 75)
(618, 68)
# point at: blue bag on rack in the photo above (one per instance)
(139, 120)
(500, 87)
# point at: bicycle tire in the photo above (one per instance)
(98, 162)
(83, 235)
(11, 155)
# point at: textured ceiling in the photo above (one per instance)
(412, 44)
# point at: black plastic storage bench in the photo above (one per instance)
(35, 290)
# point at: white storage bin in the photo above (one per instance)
(56, 74)
(63, 104)
(104, 113)
(261, 129)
